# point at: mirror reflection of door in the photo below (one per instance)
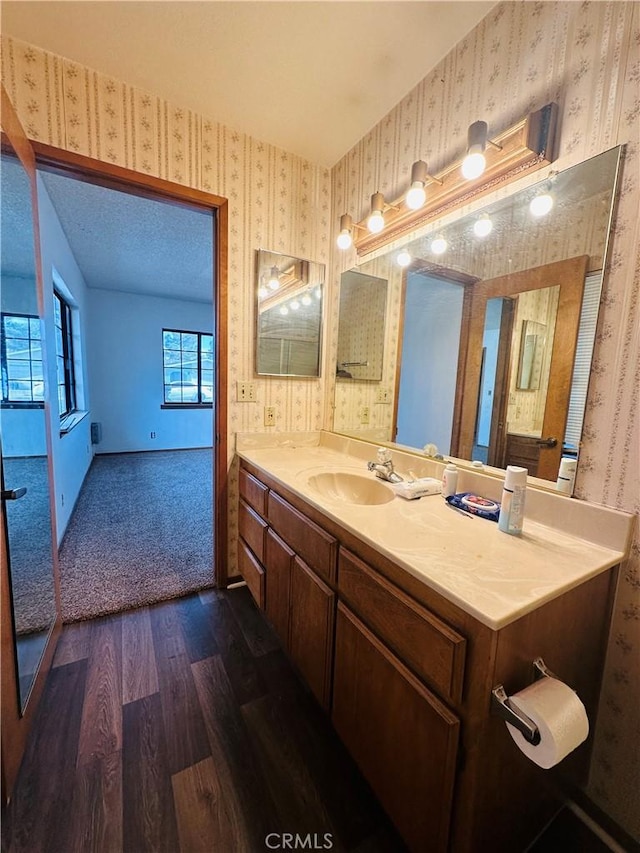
(25, 470)
(490, 437)
(527, 424)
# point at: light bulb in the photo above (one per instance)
(344, 240)
(306, 299)
(295, 305)
(403, 259)
(439, 246)
(284, 310)
(416, 195)
(375, 222)
(541, 204)
(483, 226)
(274, 278)
(473, 165)
(262, 292)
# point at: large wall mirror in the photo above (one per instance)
(494, 317)
(25, 468)
(288, 315)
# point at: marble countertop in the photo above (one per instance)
(495, 577)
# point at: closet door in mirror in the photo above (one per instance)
(30, 620)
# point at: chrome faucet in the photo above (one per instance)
(384, 467)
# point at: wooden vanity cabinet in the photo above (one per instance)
(286, 561)
(409, 685)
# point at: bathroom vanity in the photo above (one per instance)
(402, 616)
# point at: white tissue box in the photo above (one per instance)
(418, 488)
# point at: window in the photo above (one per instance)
(187, 361)
(64, 356)
(21, 350)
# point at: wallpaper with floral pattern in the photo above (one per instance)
(277, 201)
(585, 56)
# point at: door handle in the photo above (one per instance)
(13, 494)
(547, 442)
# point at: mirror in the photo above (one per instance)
(288, 315)
(439, 360)
(25, 468)
(363, 303)
(532, 349)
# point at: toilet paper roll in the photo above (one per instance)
(559, 715)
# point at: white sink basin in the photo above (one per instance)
(351, 488)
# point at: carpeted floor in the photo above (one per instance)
(31, 558)
(141, 532)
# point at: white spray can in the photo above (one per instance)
(512, 503)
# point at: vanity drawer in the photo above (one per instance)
(252, 572)
(252, 529)
(318, 549)
(253, 491)
(432, 649)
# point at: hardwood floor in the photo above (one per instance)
(182, 727)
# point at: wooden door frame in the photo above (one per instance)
(569, 276)
(16, 723)
(498, 432)
(114, 177)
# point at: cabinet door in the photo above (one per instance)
(252, 572)
(429, 647)
(402, 737)
(312, 616)
(278, 559)
(252, 529)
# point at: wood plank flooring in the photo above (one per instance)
(182, 728)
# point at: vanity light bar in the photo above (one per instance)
(527, 146)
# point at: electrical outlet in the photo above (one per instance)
(364, 415)
(269, 415)
(246, 392)
(153, 435)
(383, 395)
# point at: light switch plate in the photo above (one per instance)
(246, 392)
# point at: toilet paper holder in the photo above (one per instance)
(500, 705)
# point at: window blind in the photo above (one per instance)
(582, 363)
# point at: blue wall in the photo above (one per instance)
(72, 452)
(125, 371)
(432, 317)
(490, 343)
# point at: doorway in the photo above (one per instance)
(55, 164)
(432, 318)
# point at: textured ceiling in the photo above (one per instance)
(124, 242)
(310, 77)
(16, 230)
